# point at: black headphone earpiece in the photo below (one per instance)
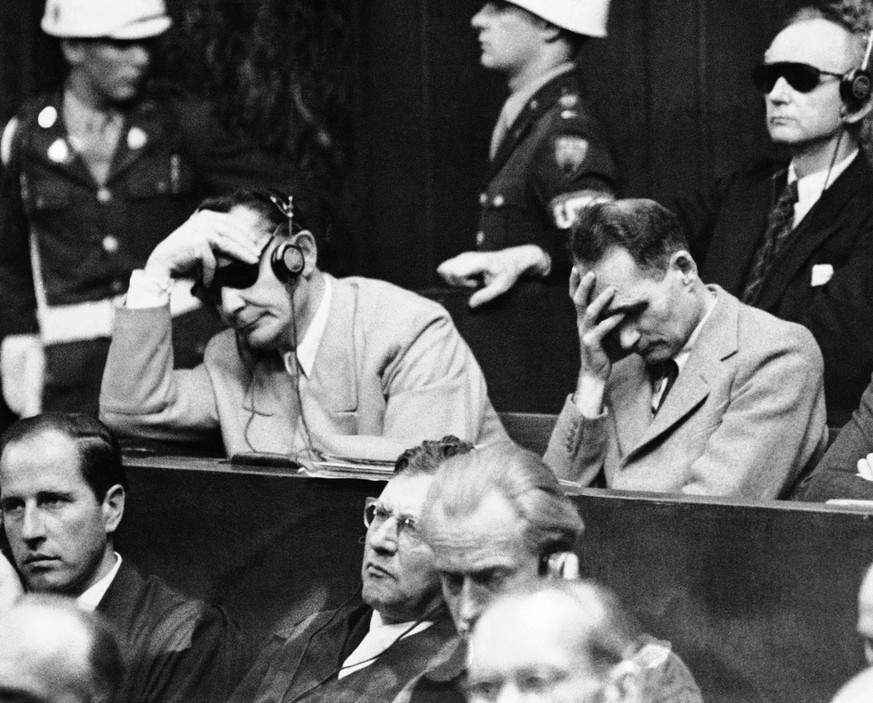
(857, 85)
(287, 261)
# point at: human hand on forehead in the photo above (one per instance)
(195, 245)
(595, 324)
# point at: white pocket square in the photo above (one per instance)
(821, 274)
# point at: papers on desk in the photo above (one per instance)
(331, 466)
(319, 464)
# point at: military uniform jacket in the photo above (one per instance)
(552, 161)
(90, 237)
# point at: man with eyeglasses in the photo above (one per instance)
(385, 635)
(795, 238)
(310, 364)
(94, 175)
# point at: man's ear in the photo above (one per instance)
(682, 262)
(113, 508)
(306, 241)
(855, 116)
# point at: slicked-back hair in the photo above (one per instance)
(259, 201)
(99, 453)
(647, 230)
(551, 521)
(425, 458)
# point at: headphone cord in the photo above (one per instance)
(304, 424)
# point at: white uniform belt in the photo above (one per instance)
(76, 323)
(93, 319)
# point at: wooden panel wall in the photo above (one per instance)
(672, 82)
(758, 599)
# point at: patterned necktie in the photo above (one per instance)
(780, 223)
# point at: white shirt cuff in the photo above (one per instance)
(147, 291)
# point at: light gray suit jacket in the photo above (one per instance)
(745, 416)
(391, 366)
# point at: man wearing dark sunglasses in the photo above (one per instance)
(310, 364)
(795, 237)
(386, 634)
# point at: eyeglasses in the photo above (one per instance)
(376, 513)
(800, 76)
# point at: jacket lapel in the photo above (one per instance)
(540, 103)
(631, 403)
(716, 342)
(143, 130)
(334, 374)
(52, 146)
(821, 223)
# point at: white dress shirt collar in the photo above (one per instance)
(90, 598)
(379, 638)
(811, 187)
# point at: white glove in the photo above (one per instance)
(22, 366)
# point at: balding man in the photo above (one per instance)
(558, 640)
(58, 654)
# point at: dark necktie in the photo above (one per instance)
(666, 372)
(780, 223)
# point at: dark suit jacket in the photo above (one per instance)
(307, 656)
(725, 227)
(175, 649)
(835, 476)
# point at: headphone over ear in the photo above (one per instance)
(857, 84)
(287, 261)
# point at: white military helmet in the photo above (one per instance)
(112, 19)
(586, 17)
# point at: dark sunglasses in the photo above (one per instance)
(233, 274)
(800, 76)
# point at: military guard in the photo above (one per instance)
(95, 175)
(549, 159)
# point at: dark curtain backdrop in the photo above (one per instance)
(384, 106)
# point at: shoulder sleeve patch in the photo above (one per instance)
(570, 152)
(6, 140)
(567, 206)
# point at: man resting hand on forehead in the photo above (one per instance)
(307, 359)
